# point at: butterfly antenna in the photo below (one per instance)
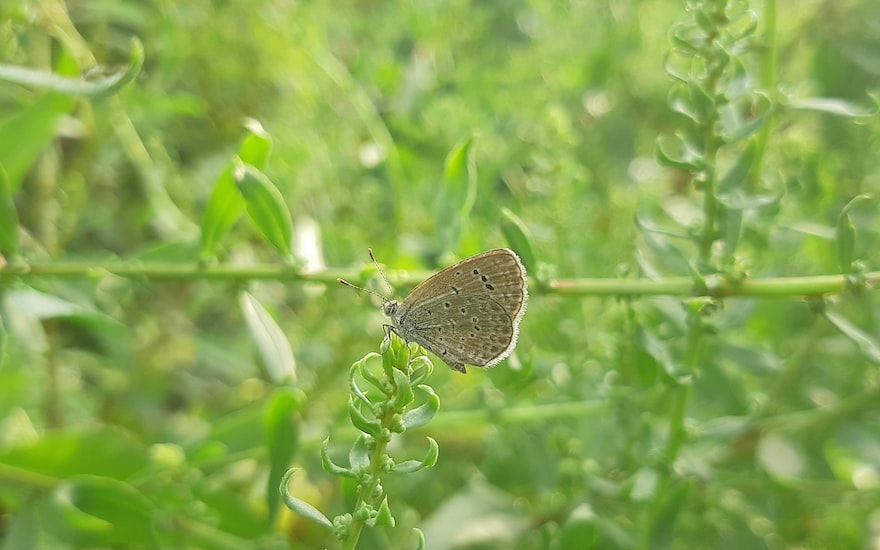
(382, 273)
(373, 292)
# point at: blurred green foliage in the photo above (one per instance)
(148, 412)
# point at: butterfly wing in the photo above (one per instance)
(468, 313)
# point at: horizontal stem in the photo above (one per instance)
(777, 287)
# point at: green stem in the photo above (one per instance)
(777, 287)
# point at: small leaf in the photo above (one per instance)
(48, 81)
(282, 437)
(410, 466)
(302, 507)
(740, 170)
(403, 395)
(424, 413)
(332, 468)
(868, 346)
(832, 106)
(676, 152)
(457, 195)
(420, 545)
(361, 422)
(514, 231)
(383, 515)
(226, 204)
(691, 101)
(355, 389)
(265, 207)
(223, 209)
(846, 234)
(27, 133)
(256, 146)
(8, 219)
(271, 341)
(359, 455)
(113, 512)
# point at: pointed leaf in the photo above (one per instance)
(383, 515)
(410, 466)
(425, 412)
(832, 106)
(302, 507)
(457, 196)
(420, 545)
(282, 437)
(49, 81)
(332, 468)
(223, 209)
(868, 346)
(403, 396)
(112, 511)
(271, 341)
(256, 146)
(361, 422)
(8, 219)
(265, 207)
(359, 455)
(514, 231)
(738, 173)
(846, 234)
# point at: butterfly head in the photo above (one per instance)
(389, 307)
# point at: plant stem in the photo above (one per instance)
(776, 287)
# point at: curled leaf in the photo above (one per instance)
(361, 422)
(410, 466)
(332, 468)
(425, 412)
(301, 507)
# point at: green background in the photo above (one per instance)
(141, 411)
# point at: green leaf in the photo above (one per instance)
(359, 455)
(226, 204)
(383, 515)
(420, 544)
(735, 128)
(403, 395)
(282, 437)
(256, 146)
(8, 219)
(425, 412)
(107, 509)
(846, 234)
(410, 466)
(265, 207)
(223, 209)
(332, 468)
(691, 101)
(457, 194)
(579, 529)
(514, 231)
(106, 452)
(302, 507)
(677, 152)
(832, 106)
(738, 173)
(27, 133)
(271, 341)
(48, 81)
(868, 346)
(361, 422)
